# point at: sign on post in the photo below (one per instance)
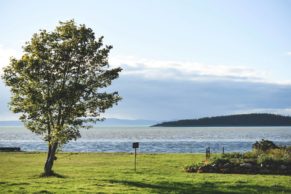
(135, 145)
(207, 153)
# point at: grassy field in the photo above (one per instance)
(113, 173)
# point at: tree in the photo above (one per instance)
(58, 85)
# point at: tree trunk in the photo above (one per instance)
(50, 159)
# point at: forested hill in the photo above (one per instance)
(254, 119)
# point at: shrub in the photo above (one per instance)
(264, 145)
(265, 159)
(251, 155)
(232, 155)
(221, 161)
(278, 153)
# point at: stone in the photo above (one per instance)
(265, 171)
(283, 167)
(247, 165)
(200, 169)
(227, 165)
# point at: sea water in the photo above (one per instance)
(153, 139)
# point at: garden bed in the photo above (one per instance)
(265, 158)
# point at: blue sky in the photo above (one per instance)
(181, 59)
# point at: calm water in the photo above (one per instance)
(159, 139)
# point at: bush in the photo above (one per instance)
(251, 155)
(264, 145)
(266, 160)
(280, 154)
(232, 155)
(220, 162)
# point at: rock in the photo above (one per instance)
(283, 167)
(206, 169)
(237, 169)
(225, 170)
(214, 168)
(265, 171)
(191, 169)
(227, 165)
(247, 165)
(200, 169)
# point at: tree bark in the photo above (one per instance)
(50, 159)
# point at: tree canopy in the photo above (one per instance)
(59, 83)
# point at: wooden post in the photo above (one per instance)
(135, 145)
(206, 153)
(222, 150)
(134, 159)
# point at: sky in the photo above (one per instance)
(181, 59)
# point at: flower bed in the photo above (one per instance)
(273, 160)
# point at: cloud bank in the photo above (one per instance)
(167, 90)
(194, 71)
(181, 99)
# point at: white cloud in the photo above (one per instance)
(183, 70)
(5, 54)
(289, 53)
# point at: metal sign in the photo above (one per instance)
(135, 145)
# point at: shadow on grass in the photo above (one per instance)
(167, 187)
(201, 188)
(14, 184)
(53, 174)
(43, 191)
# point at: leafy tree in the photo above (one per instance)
(58, 84)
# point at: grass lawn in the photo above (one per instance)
(113, 173)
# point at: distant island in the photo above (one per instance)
(253, 119)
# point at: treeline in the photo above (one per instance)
(254, 119)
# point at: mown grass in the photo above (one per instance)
(113, 173)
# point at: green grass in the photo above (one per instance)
(113, 173)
